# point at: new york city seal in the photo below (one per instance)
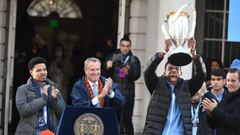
(88, 124)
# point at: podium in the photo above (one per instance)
(87, 119)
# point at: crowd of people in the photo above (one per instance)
(205, 104)
(41, 100)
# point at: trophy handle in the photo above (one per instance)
(180, 26)
(174, 18)
(167, 33)
(167, 36)
(194, 14)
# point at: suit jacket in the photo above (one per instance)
(81, 96)
(203, 126)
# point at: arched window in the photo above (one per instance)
(64, 8)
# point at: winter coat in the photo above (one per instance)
(125, 84)
(161, 96)
(81, 96)
(29, 103)
(226, 117)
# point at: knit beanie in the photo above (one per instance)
(235, 64)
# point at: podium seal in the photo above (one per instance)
(88, 124)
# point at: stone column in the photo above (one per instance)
(3, 34)
(137, 28)
(7, 43)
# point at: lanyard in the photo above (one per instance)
(125, 61)
(195, 114)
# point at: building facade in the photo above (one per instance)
(143, 19)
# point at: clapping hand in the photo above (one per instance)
(108, 85)
(109, 64)
(109, 82)
(106, 88)
(209, 105)
(55, 92)
(45, 89)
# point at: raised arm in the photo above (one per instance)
(150, 75)
(195, 83)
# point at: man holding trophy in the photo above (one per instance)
(169, 110)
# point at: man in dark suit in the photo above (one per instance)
(94, 90)
(218, 91)
(225, 118)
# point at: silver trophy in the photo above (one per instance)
(179, 27)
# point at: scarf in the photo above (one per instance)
(100, 89)
(42, 125)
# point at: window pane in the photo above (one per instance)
(213, 25)
(214, 4)
(212, 50)
(232, 51)
(227, 1)
(226, 28)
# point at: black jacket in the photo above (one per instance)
(125, 85)
(203, 127)
(226, 117)
(161, 97)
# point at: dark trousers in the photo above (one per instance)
(126, 117)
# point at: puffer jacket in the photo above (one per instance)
(161, 96)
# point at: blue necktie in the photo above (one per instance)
(95, 92)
